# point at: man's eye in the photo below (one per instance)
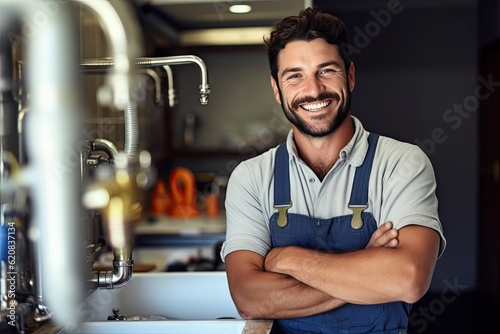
(328, 70)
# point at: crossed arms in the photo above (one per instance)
(294, 282)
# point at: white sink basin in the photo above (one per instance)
(191, 303)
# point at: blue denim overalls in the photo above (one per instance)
(337, 234)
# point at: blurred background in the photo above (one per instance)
(427, 72)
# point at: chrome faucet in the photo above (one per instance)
(145, 62)
(204, 87)
(130, 111)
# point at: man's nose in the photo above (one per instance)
(313, 86)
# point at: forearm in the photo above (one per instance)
(358, 277)
(369, 276)
(268, 295)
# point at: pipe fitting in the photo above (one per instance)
(116, 278)
(105, 146)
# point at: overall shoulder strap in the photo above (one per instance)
(359, 192)
(281, 177)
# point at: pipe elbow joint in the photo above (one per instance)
(122, 273)
(116, 278)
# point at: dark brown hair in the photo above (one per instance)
(307, 26)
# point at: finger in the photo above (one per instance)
(381, 230)
(393, 243)
(387, 237)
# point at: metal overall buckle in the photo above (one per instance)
(283, 214)
(357, 219)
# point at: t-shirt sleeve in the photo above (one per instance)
(409, 191)
(246, 225)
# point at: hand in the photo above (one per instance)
(271, 259)
(384, 236)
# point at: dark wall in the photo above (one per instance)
(416, 78)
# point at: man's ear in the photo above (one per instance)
(351, 76)
(276, 90)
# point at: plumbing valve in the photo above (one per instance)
(115, 194)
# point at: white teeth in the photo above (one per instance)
(315, 106)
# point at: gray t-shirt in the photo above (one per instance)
(401, 190)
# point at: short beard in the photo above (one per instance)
(303, 127)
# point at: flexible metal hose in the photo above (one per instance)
(131, 118)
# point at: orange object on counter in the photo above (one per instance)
(160, 200)
(212, 208)
(183, 192)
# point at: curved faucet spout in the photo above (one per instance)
(122, 32)
(179, 60)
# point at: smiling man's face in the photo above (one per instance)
(314, 87)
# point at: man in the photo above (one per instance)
(336, 231)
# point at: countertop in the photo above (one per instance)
(182, 226)
(258, 327)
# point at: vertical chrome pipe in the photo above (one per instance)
(52, 143)
(172, 96)
(122, 32)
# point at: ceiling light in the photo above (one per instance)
(240, 9)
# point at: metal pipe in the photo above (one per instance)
(54, 179)
(172, 96)
(105, 146)
(131, 117)
(116, 199)
(204, 87)
(54, 108)
(92, 64)
(8, 147)
(20, 129)
(179, 60)
(156, 79)
(122, 31)
(131, 120)
(117, 278)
